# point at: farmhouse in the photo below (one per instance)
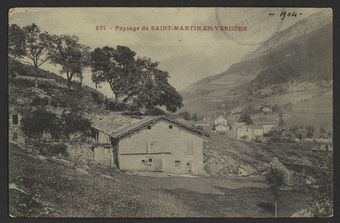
(148, 143)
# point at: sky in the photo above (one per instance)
(188, 56)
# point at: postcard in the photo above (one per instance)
(170, 112)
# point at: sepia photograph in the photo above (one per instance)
(126, 112)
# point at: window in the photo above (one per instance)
(177, 163)
(170, 126)
(148, 127)
(15, 119)
(190, 148)
(147, 161)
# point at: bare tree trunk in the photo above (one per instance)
(69, 83)
(69, 78)
(275, 208)
(116, 97)
(36, 77)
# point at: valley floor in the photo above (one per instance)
(55, 187)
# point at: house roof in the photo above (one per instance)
(118, 125)
(255, 126)
(265, 122)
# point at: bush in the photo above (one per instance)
(244, 137)
(54, 149)
(74, 122)
(39, 121)
(38, 101)
(54, 102)
(97, 98)
(116, 106)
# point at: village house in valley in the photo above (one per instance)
(258, 129)
(148, 143)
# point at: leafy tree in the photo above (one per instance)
(152, 87)
(74, 122)
(35, 123)
(139, 80)
(30, 45)
(72, 56)
(275, 180)
(115, 67)
(245, 117)
(37, 101)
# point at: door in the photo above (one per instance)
(158, 164)
(188, 167)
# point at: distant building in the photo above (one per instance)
(221, 125)
(258, 129)
(221, 129)
(148, 143)
(249, 132)
(220, 120)
(267, 125)
(267, 109)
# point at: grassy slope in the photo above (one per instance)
(255, 157)
(57, 188)
(305, 58)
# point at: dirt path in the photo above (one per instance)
(201, 184)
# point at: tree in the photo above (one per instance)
(194, 117)
(281, 120)
(74, 122)
(138, 80)
(30, 45)
(310, 131)
(72, 56)
(323, 132)
(150, 87)
(115, 67)
(35, 123)
(322, 192)
(245, 117)
(275, 180)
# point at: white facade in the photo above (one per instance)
(160, 146)
(165, 147)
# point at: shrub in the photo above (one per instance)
(38, 122)
(246, 117)
(244, 137)
(54, 102)
(97, 98)
(54, 149)
(15, 136)
(38, 101)
(74, 122)
(200, 128)
(185, 115)
(116, 106)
